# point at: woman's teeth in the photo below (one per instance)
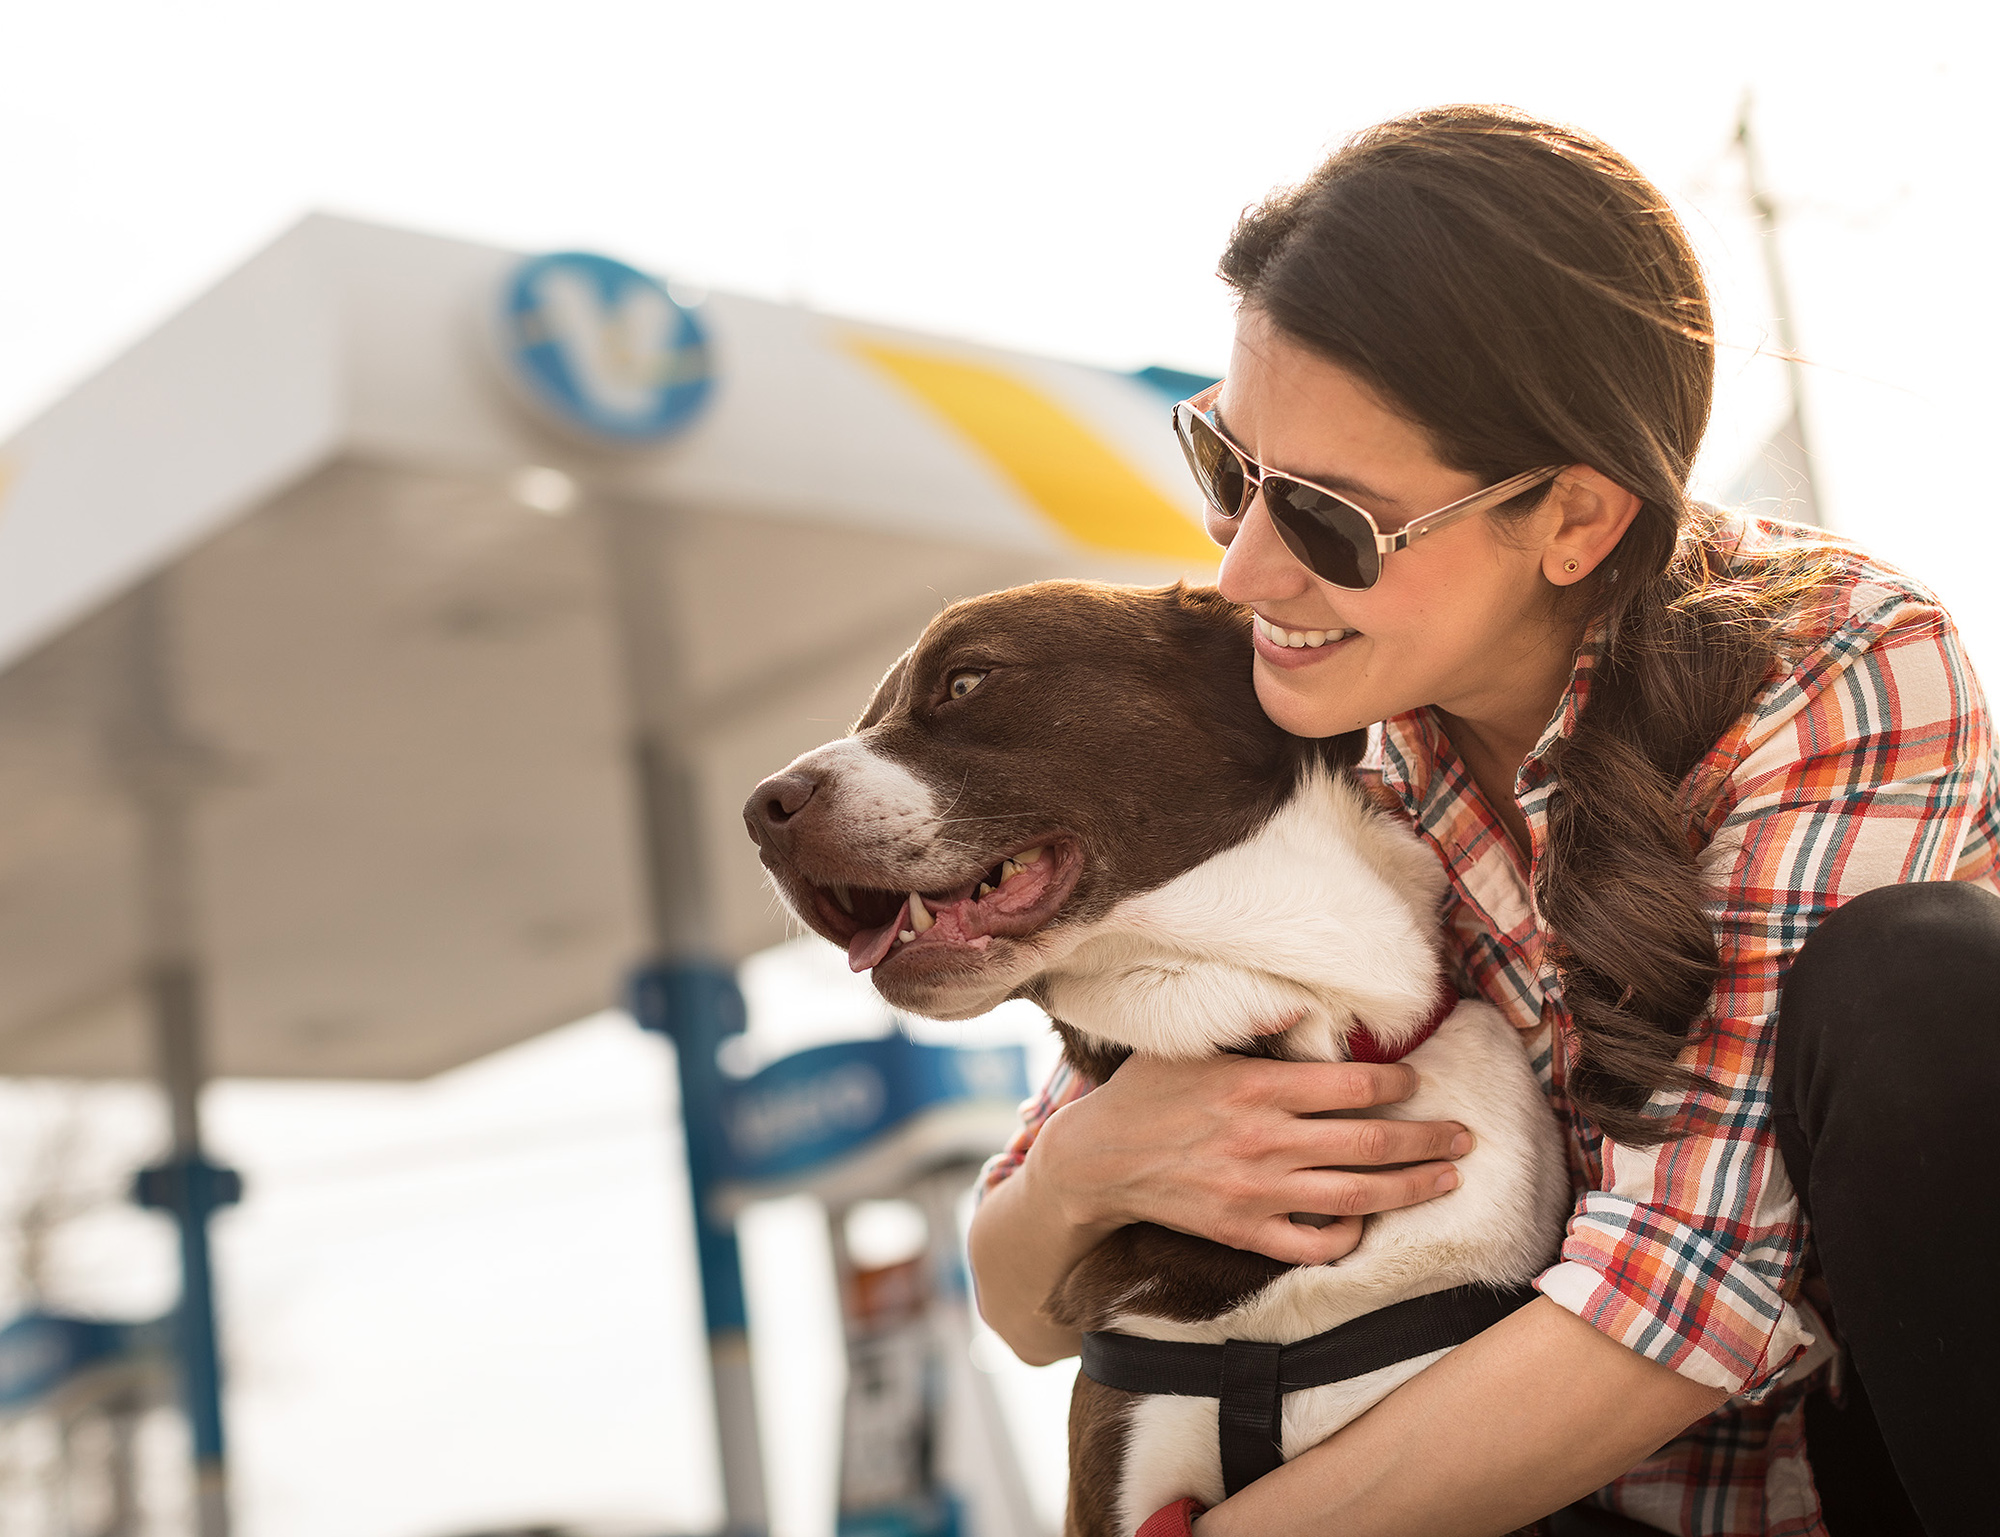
(1306, 638)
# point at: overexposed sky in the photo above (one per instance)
(1053, 177)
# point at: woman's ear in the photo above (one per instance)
(1594, 511)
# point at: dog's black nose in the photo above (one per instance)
(773, 805)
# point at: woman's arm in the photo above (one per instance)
(1878, 773)
(1225, 1148)
(1535, 1413)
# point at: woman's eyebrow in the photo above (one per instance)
(1346, 485)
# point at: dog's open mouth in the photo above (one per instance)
(1013, 897)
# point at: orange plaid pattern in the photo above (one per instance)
(1866, 760)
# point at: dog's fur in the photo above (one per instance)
(1203, 877)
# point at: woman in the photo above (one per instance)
(1655, 747)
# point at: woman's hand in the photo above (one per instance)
(1236, 1149)
(1227, 1148)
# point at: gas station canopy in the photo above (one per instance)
(414, 617)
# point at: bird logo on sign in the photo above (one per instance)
(603, 349)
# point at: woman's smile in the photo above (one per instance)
(1298, 645)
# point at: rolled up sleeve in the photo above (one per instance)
(1870, 764)
(1063, 1086)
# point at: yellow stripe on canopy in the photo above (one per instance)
(1058, 463)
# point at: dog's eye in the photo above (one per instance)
(959, 684)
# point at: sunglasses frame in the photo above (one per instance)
(1200, 408)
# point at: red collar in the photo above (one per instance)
(1362, 1046)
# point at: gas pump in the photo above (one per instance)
(67, 1377)
(925, 1452)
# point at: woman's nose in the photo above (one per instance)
(1256, 566)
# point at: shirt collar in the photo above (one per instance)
(1536, 769)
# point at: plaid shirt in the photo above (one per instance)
(1865, 760)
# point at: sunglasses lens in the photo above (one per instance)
(1331, 538)
(1216, 468)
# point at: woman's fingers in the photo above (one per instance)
(1358, 1193)
(1306, 1088)
(1371, 1144)
(1301, 1243)
(1227, 1147)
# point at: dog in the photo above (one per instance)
(1067, 792)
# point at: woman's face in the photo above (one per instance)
(1463, 619)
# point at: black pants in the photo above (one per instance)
(1887, 1100)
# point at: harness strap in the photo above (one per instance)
(1250, 1379)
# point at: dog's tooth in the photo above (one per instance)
(984, 889)
(1027, 857)
(1008, 870)
(920, 915)
(844, 898)
(905, 936)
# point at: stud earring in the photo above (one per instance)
(1569, 565)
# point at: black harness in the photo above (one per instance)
(1251, 1379)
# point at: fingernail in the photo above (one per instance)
(1461, 1144)
(1448, 1180)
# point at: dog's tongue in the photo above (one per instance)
(868, 947)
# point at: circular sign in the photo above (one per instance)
(603, 348)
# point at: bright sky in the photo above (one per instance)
(1053, 177)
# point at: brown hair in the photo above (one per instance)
(1522, 292)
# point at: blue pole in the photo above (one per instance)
(190, 1189)
(697, 1005)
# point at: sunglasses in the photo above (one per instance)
(1332, 538)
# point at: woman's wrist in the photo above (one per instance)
(1083, 1204)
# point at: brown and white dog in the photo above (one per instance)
(1067, 792)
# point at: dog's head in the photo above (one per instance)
(1039, 755)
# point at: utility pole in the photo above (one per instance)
(1790, 445)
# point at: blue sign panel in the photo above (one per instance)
(804, 1110)
(39, 1352)
(603, 348)
(813, 1106)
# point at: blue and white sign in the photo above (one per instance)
(603, 348)
(40, 1352)
(812, 1107)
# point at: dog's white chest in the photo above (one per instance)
(1500, 1227)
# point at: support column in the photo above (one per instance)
(685, 992)
(165, 768)
(697, 1006)
(1765, 209)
